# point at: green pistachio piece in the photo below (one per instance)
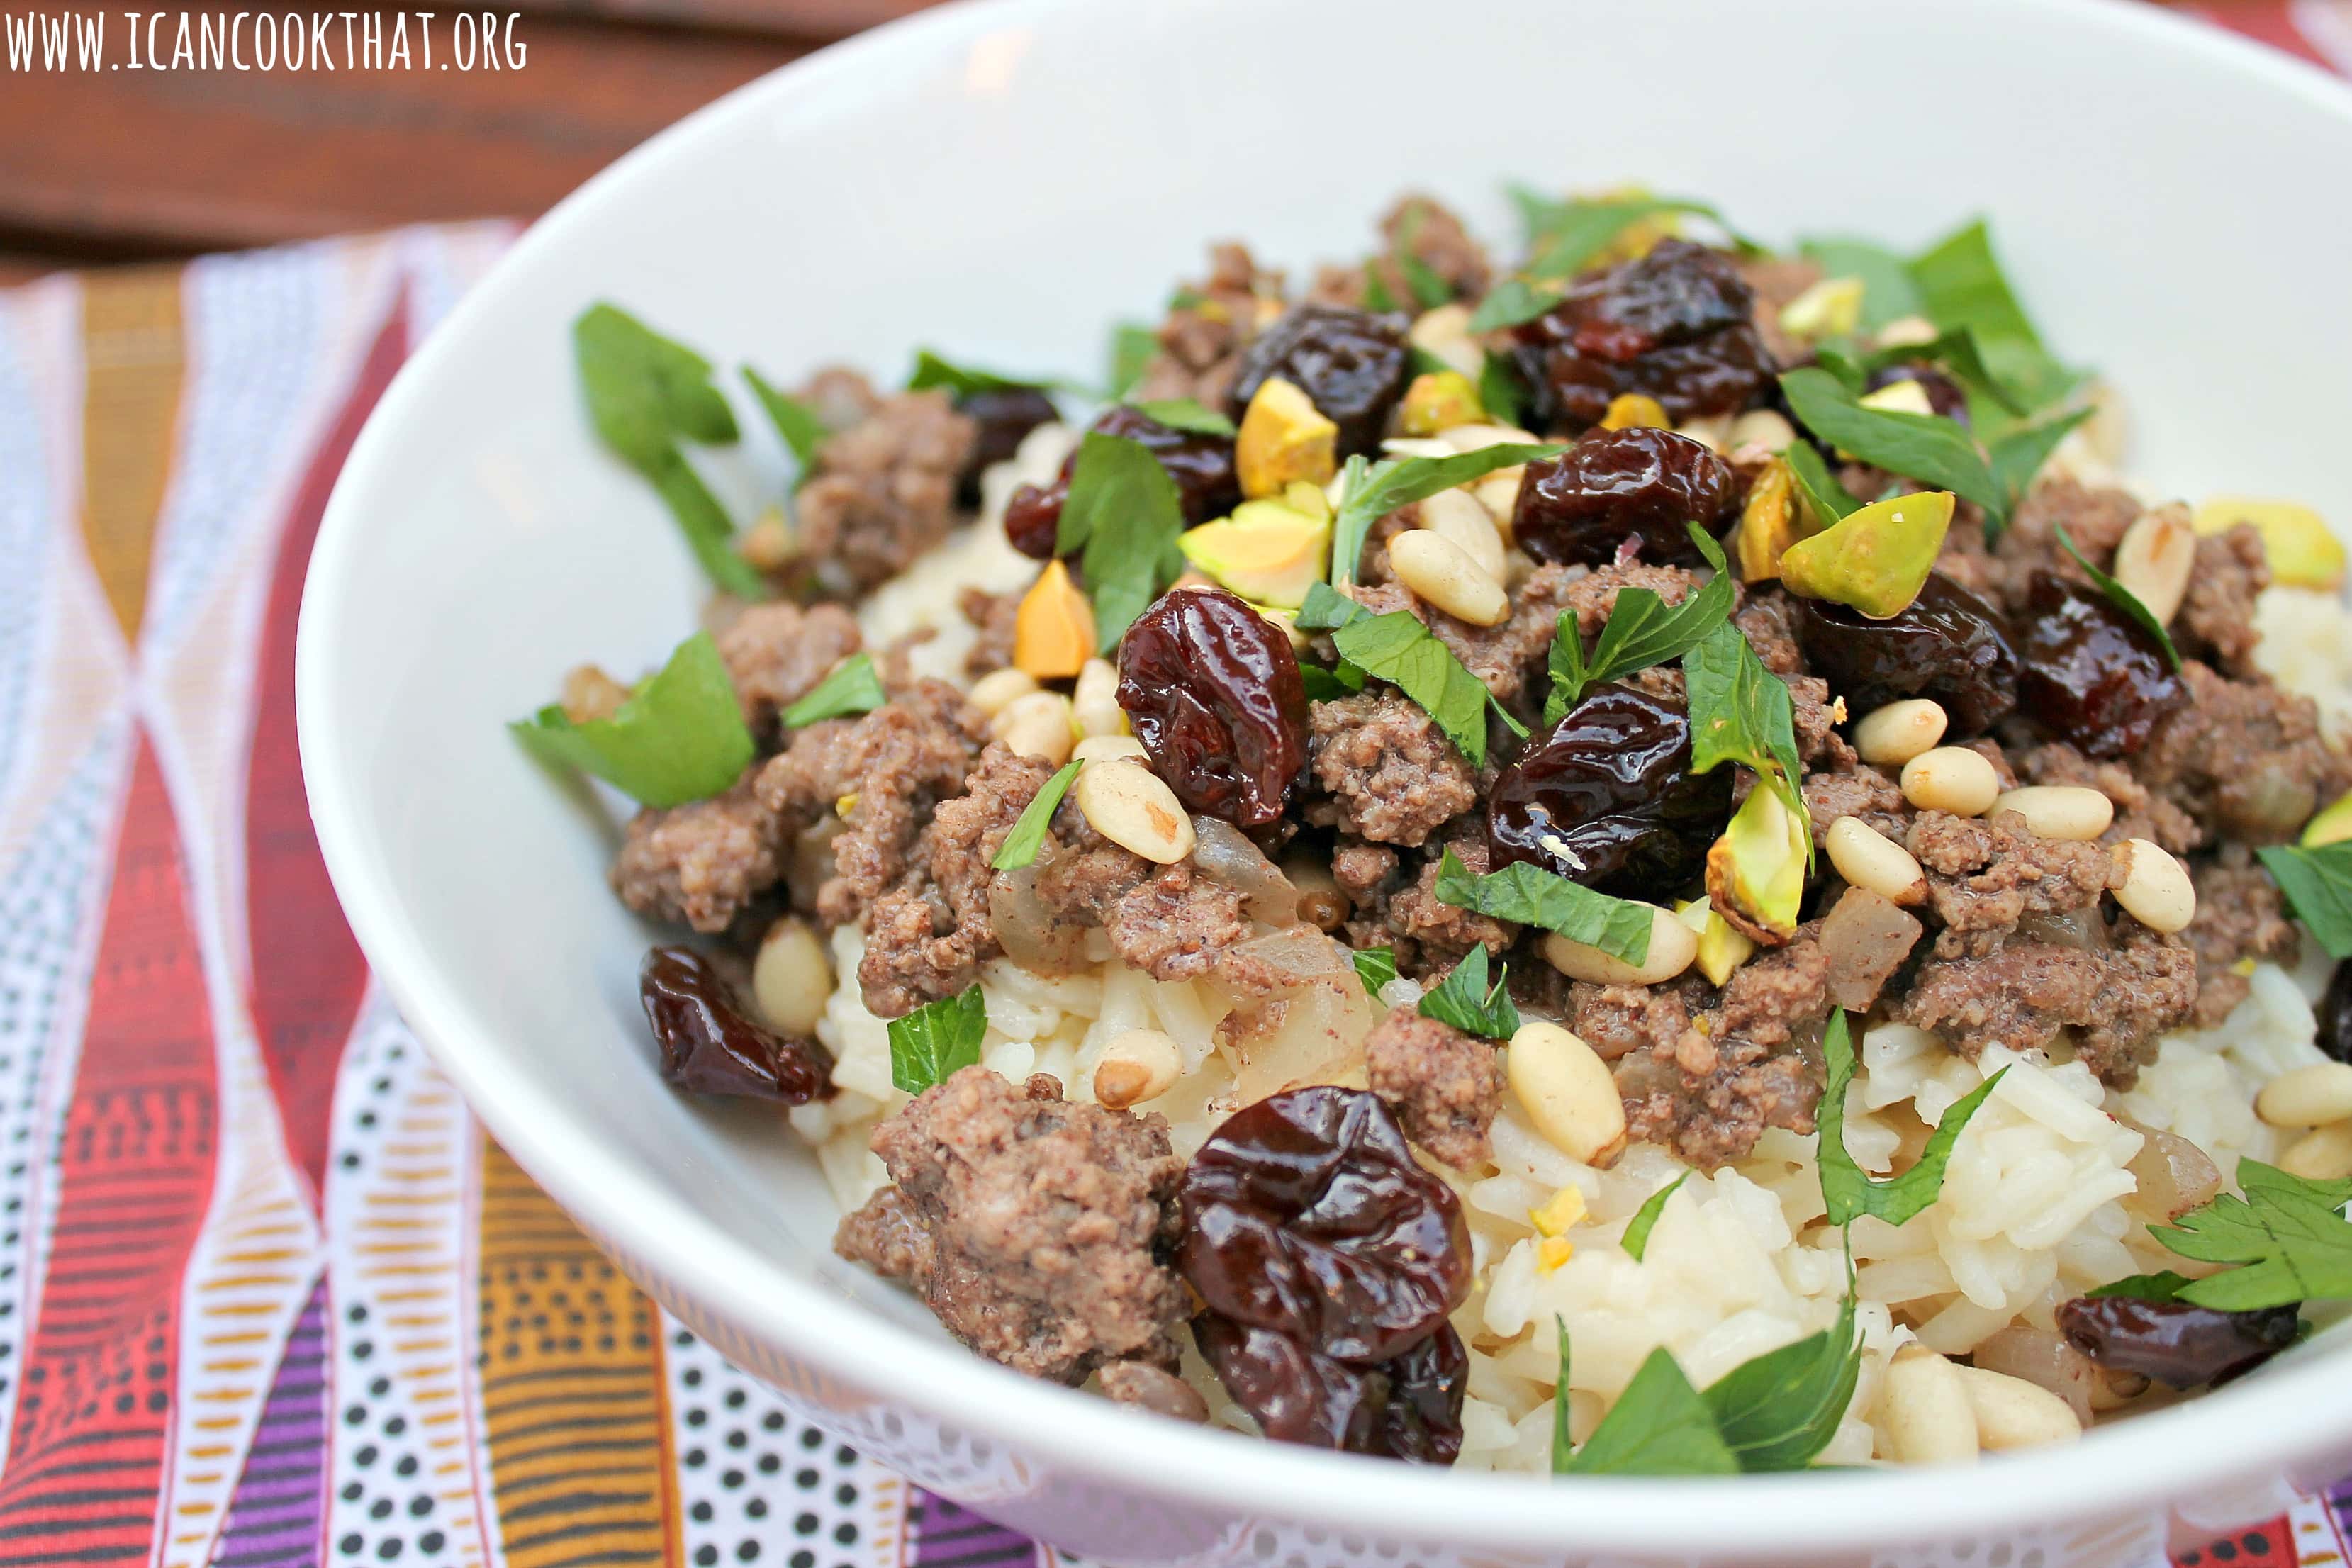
(1439, 400)
(2332, 825)
(1755, 871)
(1876, 560)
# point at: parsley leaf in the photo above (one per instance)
(1184, 413)
(1132, 345)
(1375, 967)
(1027, 835)
(1957, 351)
(1376, 292)
(931, 370)
(1325, 609)
(2318, 883)
(2289, 1235)
(1402, 652)
(1564, 1448)
(1887, 294)
(1778, 1410)
(1640, 631)
(938, 1040)
(646, 394)
(1511, 302)
(1529, 895)
(1823, 497)
(1959, 284)
(2163, 1285)
(1374, 491)
(1429, 291)
(679, 737)
(1928, 448)
(2017, 454)
(1636, 1240)
(1659, 1426)
(1124, 512)
(1845, 1189)
(1500, 391)
(851, 688)
(1342, 680)
(794, 420)
(1571, 233)
(2123, 599)
(1466, 1001)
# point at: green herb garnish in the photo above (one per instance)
(1659, 1426)
(931, 370)
(1124, 513)
(1184, 413)
(1957, 351)
(1375, 967)
(1928, 448)
(1500, 392)
(1530, 895)
(1959, 284)
(794, 420)
(1887, 294)
(936, 1040)
(2318, 883)
(2123, 599)
(2288, 1234)
(1779, 1410)
(1827, 499)
(2018, 454)
(1636, 1239)
(1028, 832)
(1640, 631)
(1741, 713)
(679, 737)
(1341, 681)
(1571, 233)
(1466, 1001)
(1376, 292)
(1401, 650)
(852, 687)
(1131, 348)
(1511, 302)
(2163, 1285)
(1849, 1193)
(1373, 491)
(646, 395)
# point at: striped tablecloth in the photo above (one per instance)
(268, 1295)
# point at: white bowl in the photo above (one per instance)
(1005, 180)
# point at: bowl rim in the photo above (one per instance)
(2262, 1425)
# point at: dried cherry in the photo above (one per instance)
(1406, 1408)
(1678, 325)
(1948, 645)
(1613, 486)
(710, 1045)
(1608, 799)
(1351, 364)
(2091, 673)
(2336, 1013)
(2178, 1344)
(1005, 415)
(1306, 1215)
(1215, 695)
(1202, 465)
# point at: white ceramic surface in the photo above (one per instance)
(1005, 180)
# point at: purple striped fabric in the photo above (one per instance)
(948, 1535)
(278, 1514)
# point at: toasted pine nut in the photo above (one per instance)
(590, 694)
(2155, 557)
(1869, 859)
(1950, 778)
(2113, 1389)
(1128, 804)
(1471, 438)
(1445, 333)
(2315, 1096)
(1499, 492)
(1712, 433)
(1137, 1065)
(1567, 1092)
(1905, 330)
(1036, 725)
(1109, 748)
(792, 978)
(1929, 1419)
(2324, 1155)
(1457, 516)
(991, 691)
(1321, 904)
(1094, 700)
(2156, 889)
(1672, 945)
(2060, 811)
(1442, 572)
(1900, 731)
(2014, 1413)
(1762, 427)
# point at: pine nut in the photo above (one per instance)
(1321, 904)
(2014, 1413)
(1762, 427)
(2155, 558)
(991, 691)
(1128, 804)
(1137, 1065)
(1567, 1092)
(1472, 438)
(1899, 732)
(2156, 889)
(1905, 331)
(1870, 861)
(1929, 1420)
(2322, 1156)
(1499, 494)
(2112, 1389)
(792, 978)
(1036, 725)
(2060, 811)
(1442, 572)
(1950, 778)
(1094, 700)
(1457, 516)
(2315, 1096)
(1712, 433)
(1110, 749)
(1445, 333)
(1672, 945)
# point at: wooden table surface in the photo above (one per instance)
(124, 165)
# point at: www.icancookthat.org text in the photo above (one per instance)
(262, 40)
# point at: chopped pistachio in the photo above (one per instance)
(1053, 626)
(1876, 560)
(1769, 523)
(1755, 871)
(1829, 309)
(1722, 947)
(2304, 553)
(1284, 437)
(1267, 552)
(1629, 409)
(1439, 400)
(1553, 1251)
(2332, 825)
(1563, 1209)
(1301, 497)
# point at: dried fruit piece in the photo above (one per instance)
(710, 1044)
(1351, 364)
(1267, 552)
(1202, 465)
(1876, 560)
(1284, 439)
(1676, 324)
(2304, 552)
(1409, 1407)
(1948, 645)
(2090, 672)
(1755, 871)
(1053, 626)
(2178, 1343)
(1213, 690)
(1637, 486)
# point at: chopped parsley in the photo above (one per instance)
(1936, 451)
(1741, 713)
(1375, 967)
(1132, 345)
(1636, 1240)
(794, 420)
(679, 737)
(1397, 648)
(1186, 414)
(931, 370)
(1849, 1193)
(1826, 499)
(1373, 491)
(938, 1040)
(2288, 1236)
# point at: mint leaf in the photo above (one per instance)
(852, 687)
(931, 370)
(1779, 1410)
(794, 420)
(1376, 292)
(1375, 967)
(2318, 883)
(1375, 491)
(1124, 513)
(1325, 609)
(936, 1040)
(1640, 631)
(1845, 1189)
(1131, 348)
(1563, 1448)
(2288, 1234)
(1741, 713)
(1659, 1426)
(1500, 392)
(1530, 895)
(679, 737)
(1959, 353)
(1924, 446)
(2123, 599)
(1184, 413)
(1636, 1239)
(1342, 680)
(2164, 1286)
(1826, 499)
(1466, 1001)
(1028, 832)
(1513, 301)
(1406, 654)
(1429, 291)
(1887, 294)
(1574, 232)
(1960, 284)
(2017, 454)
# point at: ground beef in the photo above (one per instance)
(1818, 715)
(1711, 1091)
(1394, 901)
(1201, 341)
(2243, 759)
(1388, 772)
(1443, 1084)
(883, 490)
(777, 652)
(1505, 655)
(1147, 1387)
(1043, 1223)
(1178, 924)
(992, 615)
(1618, 1021)
(703, 863)
(2122, 997)
(1985, 875)
(928, 937)
(1767, 620)
(1593, 594)
(1417, 226)
(2094, 519)
(1081, 875)
(2239, 916)
(1861, 790)
(881, 775)
(1777, 281)
(2139, 813)
(2216, 622)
